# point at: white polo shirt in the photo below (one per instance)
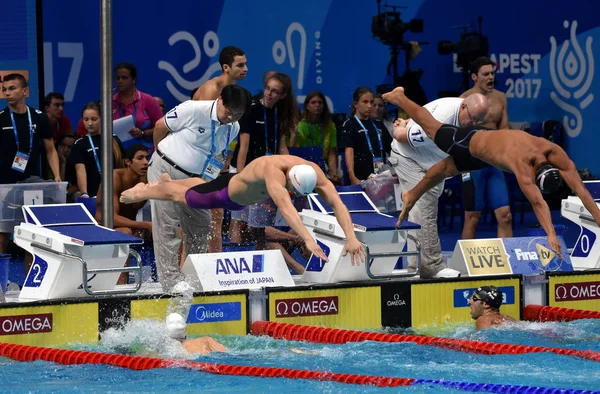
(421, 148)
(190, 139)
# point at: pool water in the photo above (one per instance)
(144, 337)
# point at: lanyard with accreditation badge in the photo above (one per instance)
(95, 154)
(212, 166)
(377, 161)
(21, 159)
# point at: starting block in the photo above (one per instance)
(586, 253)
(384, 242)
(73, 255)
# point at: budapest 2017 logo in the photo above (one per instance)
(572, 72)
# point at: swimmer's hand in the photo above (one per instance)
(315, 249)
(555, 245)
(356, 249)
(407, 203)
(300, 351)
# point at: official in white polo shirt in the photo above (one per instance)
(413, 153)
(191, 140)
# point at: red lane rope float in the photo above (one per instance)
(296, 332)
(70, 357)
(553, 313)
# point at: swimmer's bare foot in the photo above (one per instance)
(164, 178)
(395, 96)
(134, 194)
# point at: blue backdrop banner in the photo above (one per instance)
(545, 51)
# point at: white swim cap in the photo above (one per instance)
(176, 327)
(304, 178)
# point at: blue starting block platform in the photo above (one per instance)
(384, 241)
(73, 255)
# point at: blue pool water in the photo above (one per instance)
(368, 358)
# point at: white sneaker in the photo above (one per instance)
(447, 273)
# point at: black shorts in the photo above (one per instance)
(455, 142)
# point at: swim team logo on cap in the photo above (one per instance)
(490, 295)
(304, 178)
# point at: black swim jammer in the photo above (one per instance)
(455, 142)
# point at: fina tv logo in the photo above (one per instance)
(572, 73)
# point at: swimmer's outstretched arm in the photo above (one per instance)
(419, 114)
(164, 189)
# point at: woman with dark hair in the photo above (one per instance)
(316, 129)
(366, 142)
(86, 153)
(130, 101)
(269, 122)
(264, 130)
(378, 112)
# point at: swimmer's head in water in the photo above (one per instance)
(548, 178)
(176, 327)
(489, 295)
(304, 178)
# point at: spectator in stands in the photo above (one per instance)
(316, 130)
(379, 112)
(264, 129)
(20, 147)
(131, 101)
(55, 109)
(161, 104)
(266, 76)
(234, 67)
(64, 145)
(86, 153)
(135, 171)
(363, 159)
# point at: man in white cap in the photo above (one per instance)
(177, 329)
(268, 176)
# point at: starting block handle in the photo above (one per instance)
(371, 257)
(86, 272)
(588, 218)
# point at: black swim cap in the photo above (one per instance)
(491, 295)
(548, 178)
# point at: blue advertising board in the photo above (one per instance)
(545, 51)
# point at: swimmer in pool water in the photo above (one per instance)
(268, 176)
(177, 329)
(485, 308)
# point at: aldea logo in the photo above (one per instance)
(572, 72)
